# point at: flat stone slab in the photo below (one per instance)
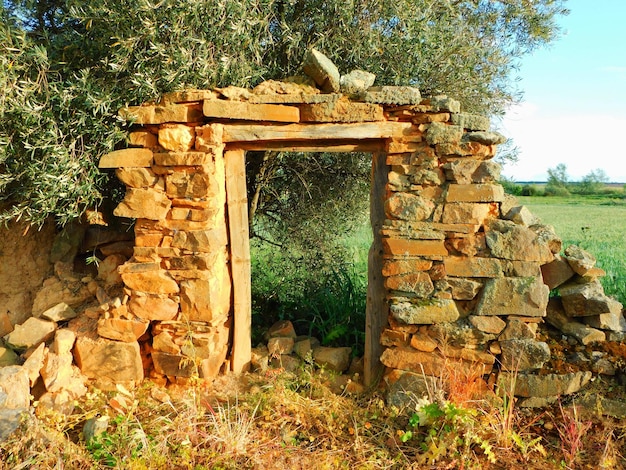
(550, 385)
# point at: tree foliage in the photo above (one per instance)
(66, 66)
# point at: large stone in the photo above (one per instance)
(427, 363)
(404, 247)
(425, 312)
(151, 282)
(439, 133)
(526, 297)
(486, 138)
(109, 362)
(555, 316)
(282, 329)
(54, 291)
(280, 345)
(127, 158)
(523, 354)
(471, 122)
(191, 185)
(396, 267)
(507, 240)
(460, 333)
(14, 388)
(493, 325)
(461, 266)
(475, 193)
(398, 95)
(186, 112)
(206, 300)
(521, 215)
(321, 69)
(143, 204)
(468, 213)
(444, 103)
(357, 81)
(517, 329)
(121, 329)
(418, 283)
(334, 359)
(468, 171)
(203, 241)
(409, 387)
(587, 299)
(546, 235)
(409, 207)
(176, 137)
(580, 260)
(341, 111)
(464, 289)
(240, 110)
(549, 385)
(174, 365)
(137, 177)
(30, 333)
(153, 307)
(556, 272)
(613, 321)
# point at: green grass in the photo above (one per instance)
(596, 225)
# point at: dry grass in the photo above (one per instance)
(286, 421)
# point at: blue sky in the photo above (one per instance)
(574, 106)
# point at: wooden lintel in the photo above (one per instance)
(317, 132)
(342, 146)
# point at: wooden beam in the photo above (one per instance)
(237, 204)
(376, 310)
(318, 132)
(339, 146)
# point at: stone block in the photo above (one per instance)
(493, 325)
(202, 241)
(127, 158)
(391, 337)
(507, 240)
(462, 266)
(424, 312)
(516, 329)
(473, 245)
(151, 282)
(459, 334)
(582, 300)
(30, 333)
(341, 111)
(410, 207)
(143, 139)
(392, 267)
(398, 95)
(468, 213)
(521, 216)
(60, 312)
(191, 185)
(183, 158)
(514, 296)
(174, 365)
(161, 114)
(486, 138)
(549, 385)
(121, 329)
(423, 342)
(471, 122)
(109, 362)
(34, 362)
(143, 204)
(464, 289)
(428, 364)
(14, 388)
(176, 137)
(321, 69)
(555, 316)
(280, 345)
(357, 81)
(334, 359)
(209, 136)
(580, 261)
(239, 110)
(206, 300)
(439, 133)
(466, 149)
(613, 321)
(418, 283)
(523, 354)
(139, 178)
(292, 86)
(475, 193)
(282, 329)
(444, 103)
(556, 272)
(404, 247)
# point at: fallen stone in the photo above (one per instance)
(556, 272)
(398, 95)
(334, 359)
(546, 235)
(94, 427)
(321, 69)
(521, 216)
(285, 362)
(355, 82)
(549, 385)
(582, 300)
(259, 358)
(108, 269)
(60, 312)
(10, 420)
(55, 291)
(282, 328)
(109, 362)
(34, 362)
(409, 387)
(280, 345)
(603, 366)
(613, 321)
(523, 354)
(14, 388)
(580, 260)
(486, 138)
(555, 315)
(605, 406)
(30, 333)
(425, 312)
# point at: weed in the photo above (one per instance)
(571, 431)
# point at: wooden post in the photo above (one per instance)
(237, 205)
(376, 310)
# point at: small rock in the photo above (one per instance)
(604, 367)
(9, 422)
(580, 260)
(94, 427)
(335, 359)
(356, 81)
(283, 328)
(280, 345)
(523, 354)
(321, 69)
(8, 357)
(286, 362)
(60, 312)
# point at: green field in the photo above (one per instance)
(597, 225)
